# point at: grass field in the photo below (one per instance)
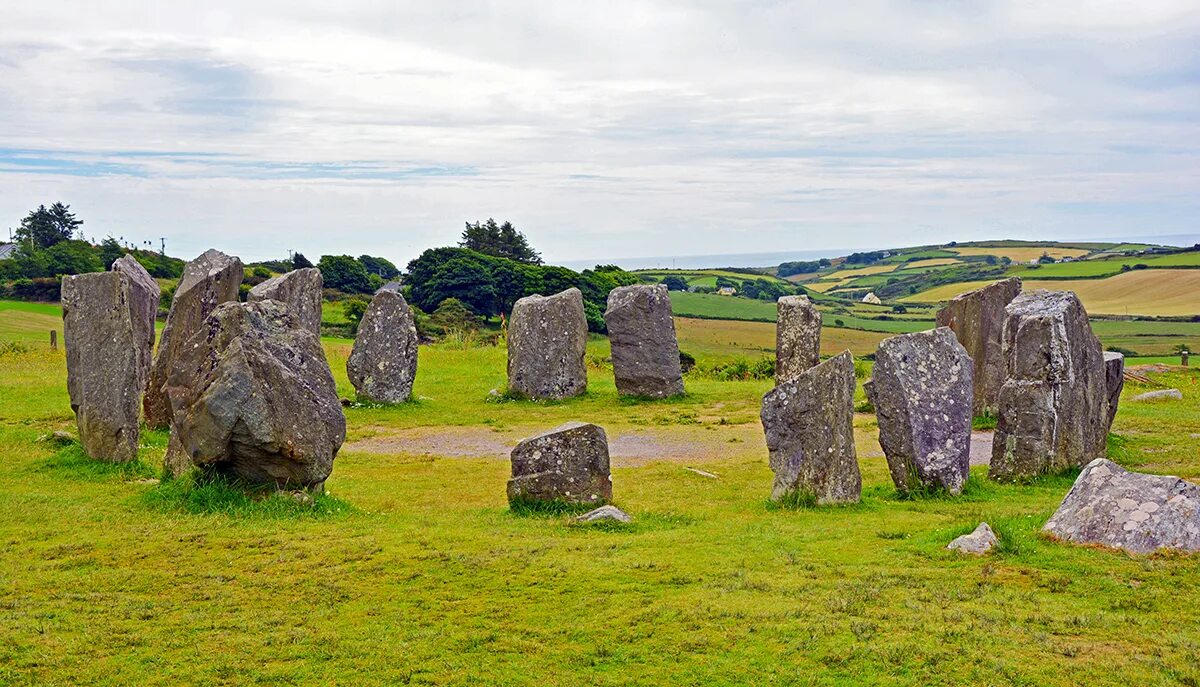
(1020, 253)
(707, 277)
(733, 338)
(710, 306)
(1090, 269)
(414, 571)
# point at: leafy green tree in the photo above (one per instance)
(344, 273)
(110, 252)
(45, 227)
(675, 282)
(354, 309)
(453, 315)
(503, 241)
(300, 262)
(381, 266)
(72, 257)
(467, 281)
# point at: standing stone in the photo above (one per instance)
(144, 294)
(105, 334)
(645, 352)
(208, 281)
(977, 318)
(254, 398)
(1140, 513)
(567, 464)
(1053, 408)
(300, 290)
(809, 423)
(922, 392)
(1114, 378)
(383, 363)
(797, 337)
(547, 341)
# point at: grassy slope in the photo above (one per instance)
(712, 306)
(1021, 253)
(1091, 269)
(423, 576)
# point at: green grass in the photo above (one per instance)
(1104, 267)
(711, 306)
(415, 571)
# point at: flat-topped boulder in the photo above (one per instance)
(1114, 381)
(1053, 406)
(568, 464)
(809, 424)
(255, 400)
(1140, 513)
(383, 363)
(645, 352)
(977, 319)
(108, 332)
(797, 337)
(300, 290)
(547, 341)
(923, 394)
(208, 281)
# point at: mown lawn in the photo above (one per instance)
(413, 570)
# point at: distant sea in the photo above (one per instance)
(695, 262)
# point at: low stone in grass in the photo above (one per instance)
(607, 513)
(568, 464)
(1137, 512)
(645, 351)
(300, 290)
(797, 337)
(383, 363)
(980, 541)
(547, 341)
(1160, 395)
(809, 423)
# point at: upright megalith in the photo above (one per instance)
(922, 392)
(797, 337)
(1114, 379)
(568, 464)
(254, 398)
(108, 332)
(645, 352)
(977, 318)
(300, 290)
(1053, 406)
(383, 363)
(144, 294)
(547, 340)
(208, 281)
(809, 423)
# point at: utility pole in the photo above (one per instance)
(163, 250)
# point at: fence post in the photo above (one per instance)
(54, 340)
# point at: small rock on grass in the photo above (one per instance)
(605, 514)
(1161, 395)
(979, 542)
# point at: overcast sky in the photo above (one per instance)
(601, 129)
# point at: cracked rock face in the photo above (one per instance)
(797, 337)
(809, 423)
(567, 464)
(547, 341)
(255, 400)
(645, 352)
(977, 319)
(300, 290)
(208, 281)
(1140, 513)
(1114, 381)
(922, 390)
(108, 332)
(383, 363)
(1053, 407)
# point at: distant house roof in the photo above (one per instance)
(727, 291)
(393, 285)
(7, 250)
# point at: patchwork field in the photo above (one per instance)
(732, 338)
(1090, 269)
(1020, 253)
(414, 571)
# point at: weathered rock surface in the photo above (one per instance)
(810, 434)
(547, 341)
(567, 464)
(1053, 407)
(144, 294)
(1160, 395)
(978, 542)
(383, 363)
(1114, 381)
(208, 281)
(105, 334)
(977, 319)
(1140, 513)
(645, 352)
(300, 290)
(254, 398)
(603, 513)
(923, 395)
(797, 337)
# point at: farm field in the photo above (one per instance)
(734, 338)
(710, 306)
(706, 277)
(1091, 269)
(1020, 253)
(413, 570)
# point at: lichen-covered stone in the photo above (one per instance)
(977, 319)
(208, 281)
(1053, 406)
(978, 542)
(797, 337)
(105, 330)
(254, 398)
(547, 341)
(568, 464)
(300, 290)
(923, 394)
(809, 424)
(144, 294)
(383, 363)
(1140, 513)
(1114, 381)
(645, 352)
